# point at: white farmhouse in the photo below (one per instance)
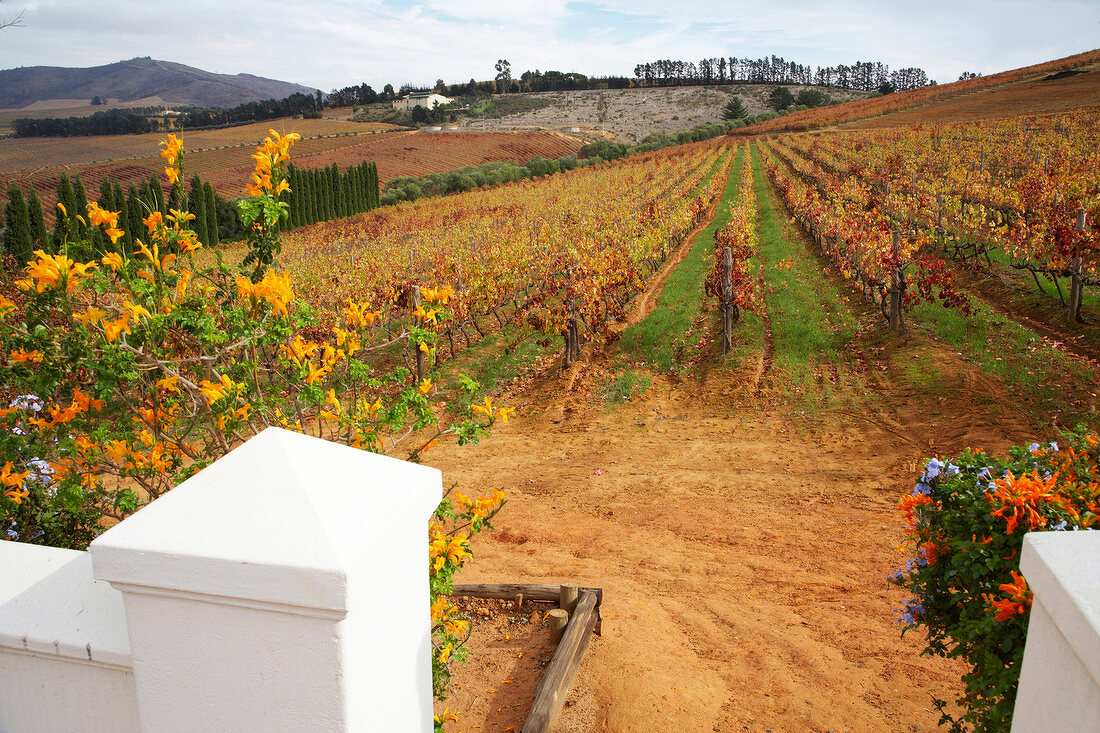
(421, 99)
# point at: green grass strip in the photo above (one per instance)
(660, 337)
(810, 320)
(1041, 377)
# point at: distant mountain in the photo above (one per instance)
(137, 79)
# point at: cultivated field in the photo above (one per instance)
(1039, 95)
(21, 154)
(223, 156)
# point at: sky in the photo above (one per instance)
(329, 44)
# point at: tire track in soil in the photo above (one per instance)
(767, 354)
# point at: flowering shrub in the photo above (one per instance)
(966, 523)
(123, 375)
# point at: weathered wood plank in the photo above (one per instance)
(554, 686)
(508, 591)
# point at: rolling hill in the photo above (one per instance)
(138, 79)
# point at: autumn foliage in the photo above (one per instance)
(124, 375)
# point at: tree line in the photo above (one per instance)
(126, 121)
(315, 195)
(104, 122)
(869, 76)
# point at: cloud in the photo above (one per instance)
(328, 44)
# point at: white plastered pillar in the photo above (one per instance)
(1060, 676)
(284, 587)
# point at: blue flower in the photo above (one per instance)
(1057, 527)
(986, 472)
(1053, 446)
(932, 470)
(912, 612)
(895, 577)
(922, 488)
(41, 471)
(1033, 447)
(27, 402)
(951, 470)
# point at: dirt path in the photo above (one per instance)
(743, 562)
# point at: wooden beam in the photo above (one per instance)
(554, 686)
(509, 591)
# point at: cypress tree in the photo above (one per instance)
(320, 186)
(294, 196)
(329, 211)
(156, 200)
(341, 192)
(96, 239)
(211, 207)
(135, 213)
(138, 204)
(367, 197)
(327, 195)
(334, 192)
(106, 195)
(373, 197)
(351, 189)
(177, 198)
(196, 204)
(18, 235)
(37, 222)
(65, 198)
(80, 198)
(310, 196)
(145, 198)
(119, 199)
(65, 194)
(356, 188)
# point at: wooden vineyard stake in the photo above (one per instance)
(567, 597)
(559, 618)
(939, 223)
(896, 293)
(572, 345)
(727, 300)
(1077, 285)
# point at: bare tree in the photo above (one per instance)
(16, 22)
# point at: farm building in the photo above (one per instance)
(421, 99)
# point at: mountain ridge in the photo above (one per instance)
(139, 78)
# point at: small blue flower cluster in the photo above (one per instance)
(932, 470)
(911, 613)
